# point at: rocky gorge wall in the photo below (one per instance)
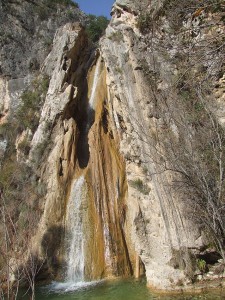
(74, 138)
(142, 59)
(135, 121)
(88, 148)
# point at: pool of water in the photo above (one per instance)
(111, 290)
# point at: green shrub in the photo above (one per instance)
(69, 3)
(96, 27)
(198, 106)
(7, 131)
(6, 175)
(118, 70)
(140, 186)
(70, 14)
(30, 99)
(40, 151)
(42, 12)
(216, 7)
(53, 3)
(48, 43)
(24, 146)
(144, 22)
(201, 264)
(24, 212)
(116, 36)
(28, 114)
(44, 85)
(145, 170)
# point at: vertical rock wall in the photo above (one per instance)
(159, 209)
(85, 141)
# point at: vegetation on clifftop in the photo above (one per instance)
(52, 3)
(96, 27)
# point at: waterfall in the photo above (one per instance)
(75, 252)
(95, 82)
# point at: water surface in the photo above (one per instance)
(112, 290)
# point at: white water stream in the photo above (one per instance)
(75, 252)
(74, 222)
(95, 83)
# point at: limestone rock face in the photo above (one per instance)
(27, 31)
(140, 78)
(155, 215)
(77, 137)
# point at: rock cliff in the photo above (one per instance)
(167, 112)
(133, 132)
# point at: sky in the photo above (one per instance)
(96, 7)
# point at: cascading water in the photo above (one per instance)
(95, 83)
(91, 225)
(75, 213)
(75, 253)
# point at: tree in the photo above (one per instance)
(20, 265)
(96, 27)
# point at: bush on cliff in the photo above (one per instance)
(96, 27)
(29, 111)
(53, 3)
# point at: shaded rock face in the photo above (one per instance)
(126, 123)
(27, 30)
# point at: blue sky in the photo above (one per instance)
(96, 7)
